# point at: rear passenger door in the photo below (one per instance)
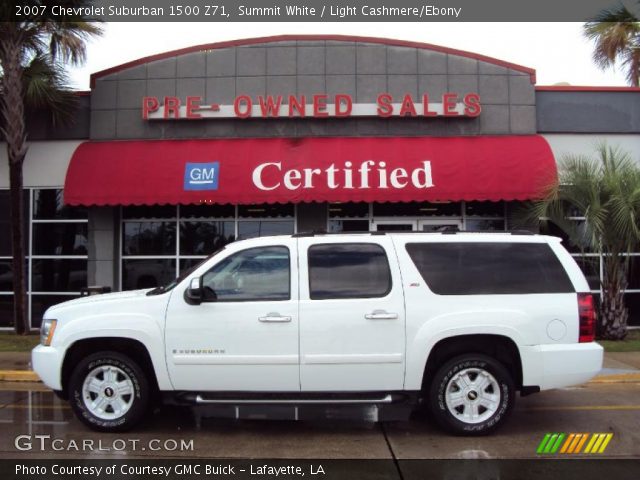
(351, 315)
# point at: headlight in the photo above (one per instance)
(46, 331)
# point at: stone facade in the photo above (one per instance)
(306, 67)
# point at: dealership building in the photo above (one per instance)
(172, 156)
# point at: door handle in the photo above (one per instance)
(274, 317)
(381, 315)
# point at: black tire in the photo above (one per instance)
(124, 368)
(486, 422)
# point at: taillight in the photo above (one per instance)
(587, 313)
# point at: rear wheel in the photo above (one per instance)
(109, 392)
(471, 395)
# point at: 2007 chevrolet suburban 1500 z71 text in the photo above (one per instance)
(376, 323)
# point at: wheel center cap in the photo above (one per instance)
(472, 395)
(108, 392)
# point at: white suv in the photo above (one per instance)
(371, 323)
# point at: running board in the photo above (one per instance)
(301, 401)
(368, 406)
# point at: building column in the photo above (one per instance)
(102, 269)
(311, 217)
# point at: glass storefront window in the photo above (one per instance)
(484, 225)
(56, 260)
(187, 263)
(59, 255)
(58, 275)
(48, 204)
(202, 238)
(265, 210)
(60, 238)
(148, 211)
(632, 301)
(634, 273)
(484, 209)
(58, 251)
(149, 238)
(336, 226)
(149, 273)
(262, 228)
(417, 209)
(40, 303)
(591, 268)
(550, 228)
(182, 236)
(207, 211)
(5, 223)
(348, 210)
(6, 276)
(6, 311)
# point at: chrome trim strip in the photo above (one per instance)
(386, 399)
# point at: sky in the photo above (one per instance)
(557, 51)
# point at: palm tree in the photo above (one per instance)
(616, 33)
(33, 54)
(605, 191)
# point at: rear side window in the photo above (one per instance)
(348, 270)
(489, 268)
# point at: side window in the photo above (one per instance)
(254, 274)
(348, 270)
(474, 268)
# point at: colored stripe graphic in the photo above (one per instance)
(565, 447)
(543, 443)
(581, 442)
(606, 442)
(573, 443)
(556, 445)
(598, 443)
(550, 443)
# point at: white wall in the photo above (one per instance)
(562, 144)
(46, 163)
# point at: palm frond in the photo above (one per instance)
(46, 87)
(615, 33)
(68, 41)
(604, 189)
(68, 34)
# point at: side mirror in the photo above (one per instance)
(193, 293)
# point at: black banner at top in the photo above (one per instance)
(316, 10)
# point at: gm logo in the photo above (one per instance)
(201, 176)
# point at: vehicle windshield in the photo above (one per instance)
(171, 285)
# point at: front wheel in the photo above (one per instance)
(109, 392)
(471, 395)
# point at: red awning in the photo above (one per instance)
(284, 170)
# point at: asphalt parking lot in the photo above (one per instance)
(36, 424)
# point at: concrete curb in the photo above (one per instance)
(617, 378)
(18, 376)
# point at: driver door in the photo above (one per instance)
(244, 335)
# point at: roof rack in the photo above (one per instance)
(313, 233)
(446, 231)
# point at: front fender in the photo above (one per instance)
(143, 328)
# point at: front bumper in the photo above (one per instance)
(560, 365)
(47, 363)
